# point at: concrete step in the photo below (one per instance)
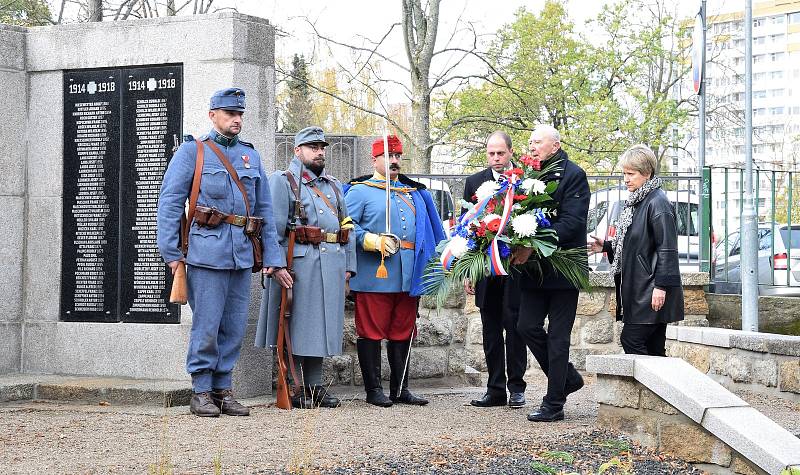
(117, 391)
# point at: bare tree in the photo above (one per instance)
(420, 25)
(95, 8)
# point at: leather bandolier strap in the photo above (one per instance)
(254, 239)
(187, 222)
(312, 234)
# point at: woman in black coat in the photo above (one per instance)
(644, 257)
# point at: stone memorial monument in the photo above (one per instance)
(94, 112)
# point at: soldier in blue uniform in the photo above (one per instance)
(324, 258)
(220, 258)
(389, 279)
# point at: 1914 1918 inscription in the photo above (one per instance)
(119, 128)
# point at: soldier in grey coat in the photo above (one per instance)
(324, 259)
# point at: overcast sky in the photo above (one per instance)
(351, 21)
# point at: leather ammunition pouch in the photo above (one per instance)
(206, 217)
(314, 235)
(254, 225)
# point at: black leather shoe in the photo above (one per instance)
(201, 405)
(377, 398)
(516, 400)
(489, 401)
(227, 405)
(546, 415)
(325, 399)
(407, 397)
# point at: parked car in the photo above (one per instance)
(443, 199)
(778, 261)
(605, 206)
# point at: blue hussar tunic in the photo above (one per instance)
(318, 305)
(219, 259)
(420, 225)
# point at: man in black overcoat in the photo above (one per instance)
(498, 300)
(551, 295)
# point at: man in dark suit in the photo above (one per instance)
(498, 300)
(551, 295)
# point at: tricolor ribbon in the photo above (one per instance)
(495, 261)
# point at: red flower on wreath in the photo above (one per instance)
(490, 206)
(480, 229)
(534, 163)
(514, 171)
(493, 225)
(520, 197)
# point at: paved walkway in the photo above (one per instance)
(48, 437)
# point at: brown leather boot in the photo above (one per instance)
(201, 405)
(223, 398)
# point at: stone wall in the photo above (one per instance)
(762, 361)
(596, 332)
(13, 96)
(667, 404)
(438, 350)
(627, 406)
(775, 314)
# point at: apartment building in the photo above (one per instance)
(776, 104)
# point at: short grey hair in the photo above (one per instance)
(550, 131)
(499, 133)
(641, 158)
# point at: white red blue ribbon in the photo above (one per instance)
(495, 261)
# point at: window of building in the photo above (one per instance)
(794, 17)
(776, 75)
(759, 76)
(758, 22)
(738, 43)
(777, 19)
(776, 57)
(760, 94)
(777, 38)
(759, 40)
(758, 58)
(776, 92)
(776, 110)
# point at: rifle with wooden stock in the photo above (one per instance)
(179, 293)
(284, 342)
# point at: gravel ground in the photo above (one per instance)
(447, 436)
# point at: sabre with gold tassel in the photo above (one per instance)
(382, 272)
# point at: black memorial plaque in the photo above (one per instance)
(91, 197)
(119, 129)
(151, 110)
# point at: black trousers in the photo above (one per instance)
(644, 338)
(551, 347)
(500, 312)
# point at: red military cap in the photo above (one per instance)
(395, 146)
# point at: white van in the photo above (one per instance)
(443, 199)
(605, 206)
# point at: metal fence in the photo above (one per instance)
(777, 207)
(607, 200)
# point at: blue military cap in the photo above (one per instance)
(231, 99)
(308, 135)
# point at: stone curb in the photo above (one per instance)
(723, 338)
(726, 416)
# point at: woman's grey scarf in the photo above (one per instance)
(626, 217)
